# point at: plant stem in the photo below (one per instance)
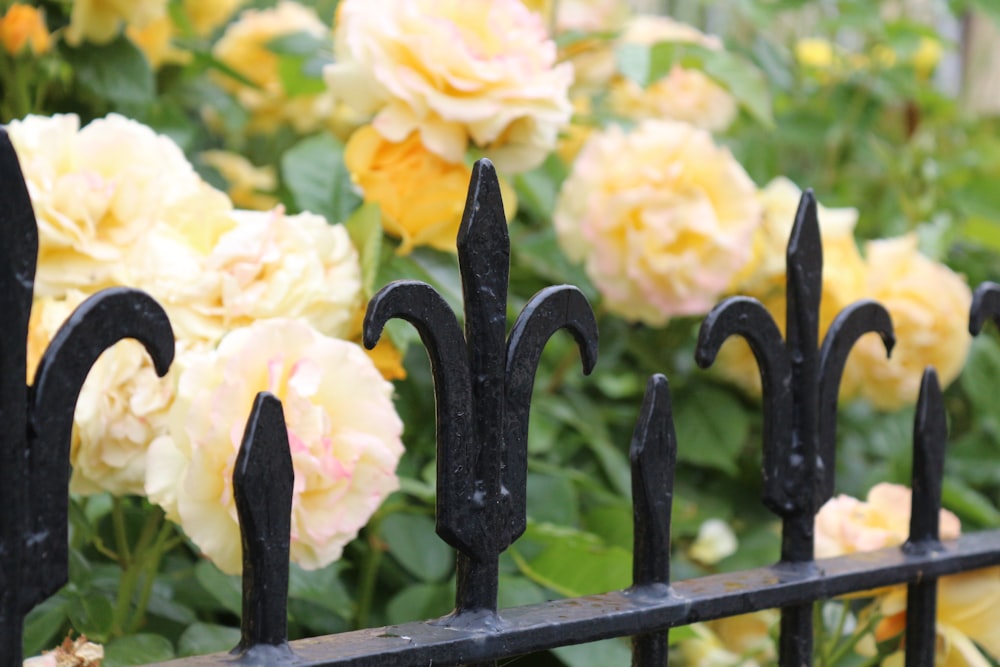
(121, 532)
(149, 567)
(369, 574)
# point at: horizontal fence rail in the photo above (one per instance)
(483, 381)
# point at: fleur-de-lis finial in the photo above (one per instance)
(800, 383)
(482, 383)
(38, 420)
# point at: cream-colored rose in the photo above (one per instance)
(250, 186)
(244, 48)
(95, 192)
(343, 432)
(763, 277)
(682, 94)
(100, 21)
(661, 217)
(714, 542)
(846, 525)
(480, 73)
(929, 305)
(217, 271)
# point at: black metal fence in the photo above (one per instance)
(483, 382)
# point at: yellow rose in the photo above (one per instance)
(95, 193)
(204, 16)
(23, 27)
(737, 641)
(243, 47)
(421, 196)
(155, 40)
(100, 21)
(661, 217)
(929, 305)
(480, 73)
(683, 94)
(715, 541)
(763, 277)
(249, 185)
(846, 525)
(343, 432)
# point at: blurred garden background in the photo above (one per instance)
(262, 168)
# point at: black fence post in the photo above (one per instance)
(38, 420)
(800, 384)
(483, 387)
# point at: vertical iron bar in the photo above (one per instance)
(263, 480)
(18, 255)
(653, 455)
(929, 439)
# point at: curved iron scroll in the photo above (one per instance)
(800, 385)
(37, 420)
(482, 385)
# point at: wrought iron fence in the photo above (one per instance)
(483, 381)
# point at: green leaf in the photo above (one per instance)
(298, 44)
(414, 544)
(419, 602)
(139, 649)
(712, 426)
(322, 587)
(519, 592)
(552, 499)
(92, 615)
(226, 589)
(203, 638)
(117, 72)
(313, 170)
(635, 62)
(970, 505)
(596, 654)
(43, 625)
(365, 229)
(595, 567)
(302, 75)
(979, 376)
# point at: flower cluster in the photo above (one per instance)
(437, 80)
(118, 204)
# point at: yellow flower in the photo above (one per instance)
(100, 21)
(927, 56)
(929, 305)
(661, 217)
(968, 615)
(155, 40)
(240, 266)
(683, 94)
(421, 195)
(207, 15)
(846, 525)
(480, 73)
(95, 193)
(244, 48)
(23, 27)
(249, 185)
(343, 432)
(763, 277)
(737, 641)
(816, 53)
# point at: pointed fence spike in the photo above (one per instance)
(929, 439)
(653, 455)
(263, 479)
(930, 433)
